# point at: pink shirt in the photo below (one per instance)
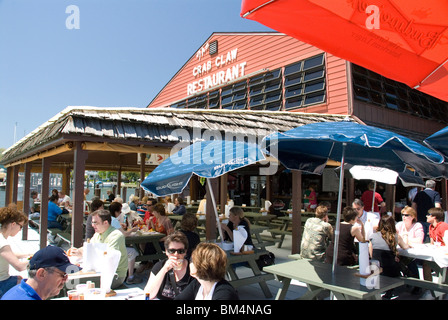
(413, 236)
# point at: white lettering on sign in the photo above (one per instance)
(234, 71)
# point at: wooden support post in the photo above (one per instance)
(142, 173)
(223, 193)
(43, 228)
(26, 197)
(79, 165)
(296, 211)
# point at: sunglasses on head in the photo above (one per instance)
(173, 251)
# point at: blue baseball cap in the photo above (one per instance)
(52, 256)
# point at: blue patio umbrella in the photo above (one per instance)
(309, 147)
(439, 141)
(207, 159)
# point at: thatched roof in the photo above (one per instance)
(153, 126)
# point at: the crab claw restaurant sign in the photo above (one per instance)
(215, 71)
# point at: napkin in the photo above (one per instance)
(91, 256)
(364, 264)
(267, 205)
(227, 211)
(239, 237)
(110, 260)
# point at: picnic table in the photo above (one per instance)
(121, 294)
(260, 241)
(146, 237)
(437, 258)
(344, 284)
(258, 276)
(257, 217)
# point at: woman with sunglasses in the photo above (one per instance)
(170, 276)
(412, 233)
(11, 221)
(208, 267)
(409, 229)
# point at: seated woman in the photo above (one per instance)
(169, 205)
(347, 234)
(383, 247)
(316, 236)
(11, 222)
(53, 212)
(412, 233)
(170, 276)
(161, 223)
(409, 229)
(236, 218)
(208, 267)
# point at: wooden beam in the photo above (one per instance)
(79, 159)
(296, 211)
(26, 196)
(43, 228)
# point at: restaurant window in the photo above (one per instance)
(234, 97)
(179, 105)
(265, 91)
(371, 87)
(199, 102)
(213, 100)
(305, 83)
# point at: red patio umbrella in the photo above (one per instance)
(404, 40)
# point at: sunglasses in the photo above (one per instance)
(405, 215)
(173, 251)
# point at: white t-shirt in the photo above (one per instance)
(170, 207)
(200, 295)
(4, 265)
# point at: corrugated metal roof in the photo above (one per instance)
(154, 125)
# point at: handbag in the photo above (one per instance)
(265, 260)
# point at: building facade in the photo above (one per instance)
(275, 72)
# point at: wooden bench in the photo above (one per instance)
(432, 286)
(282, 234)
(63, 236)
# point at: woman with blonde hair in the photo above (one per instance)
(409, 229)
(236, 219)
(11, 221)
(208, 267)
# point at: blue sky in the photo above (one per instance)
(122, 55)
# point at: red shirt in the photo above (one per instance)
(436, 233)
(367, 200)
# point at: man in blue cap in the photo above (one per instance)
(47, 273)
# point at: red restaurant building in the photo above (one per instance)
(275, 72)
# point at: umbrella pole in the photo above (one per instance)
(373, 196)
(338, 215)
(215, 210)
